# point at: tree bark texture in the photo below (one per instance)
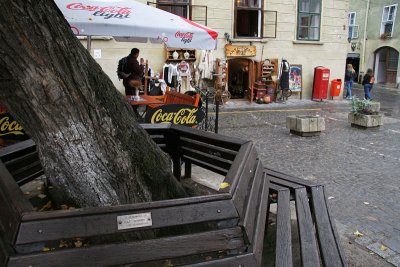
(89, 142)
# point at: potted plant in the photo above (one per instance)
(385, 36)
(365, 113)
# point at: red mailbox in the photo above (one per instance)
(321, 81)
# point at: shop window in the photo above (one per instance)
(248, 18)
(177, 7)
(388, 19)
(309, 20)
(353, 28)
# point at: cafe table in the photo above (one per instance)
(144, 100)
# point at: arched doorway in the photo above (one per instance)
(240, 71)
(386, 65)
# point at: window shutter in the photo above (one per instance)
(270, 24)
(199, 14)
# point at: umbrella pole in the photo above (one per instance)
(89, 43)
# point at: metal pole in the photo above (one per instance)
(89, 43)
(216, 116)
(206, 122)
(365, 37)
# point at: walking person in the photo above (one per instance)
(368, 82)
(349, 79)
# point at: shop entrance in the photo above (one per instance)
(239, 77)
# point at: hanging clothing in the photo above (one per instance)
(206, 64)
(284, 74)
(184, 76)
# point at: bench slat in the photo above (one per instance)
(289, 178)
(241, 260)
(12, 204)
(253, 204)
(260, 228)
(106, 223)
(136, 252)
(240, 195)
(328, 244)
(308, 243)
(283, 232)
(209, 148)
(204, 157)
(206, 165)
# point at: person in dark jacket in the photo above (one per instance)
(135, 70)
(349, 79)
(368, 82)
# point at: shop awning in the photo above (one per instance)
(128, 18)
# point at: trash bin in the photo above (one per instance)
(336, 86)
(321, 81)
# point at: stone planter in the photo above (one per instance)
(373, 108)
(369, 118)
(365, 121)
(305, 125)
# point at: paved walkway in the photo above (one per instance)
(360, 168)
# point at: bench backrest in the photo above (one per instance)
(178, 98)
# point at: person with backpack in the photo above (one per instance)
(349, 77)
(368, 82)
(131, 72)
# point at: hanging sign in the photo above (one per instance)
(181, 114)
(240, 51)
(10, 128)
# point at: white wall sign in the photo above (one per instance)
(97, 53)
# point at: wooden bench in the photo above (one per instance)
(230, 222)
(171, 97)
(318, 239)
(235, 216)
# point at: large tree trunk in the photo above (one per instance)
(89, 142)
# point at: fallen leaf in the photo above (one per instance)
(224, 185)
(371, 143)
(63, 244)
(329, 198)
(366, 203)
(41, 196)
(383, 248)
(358, 234)
(78, 244)
(46, 207)
(45, 249)
(168, 263)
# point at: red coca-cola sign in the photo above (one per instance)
(107, 12)
(186, 37)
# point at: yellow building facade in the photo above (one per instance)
(283, 29)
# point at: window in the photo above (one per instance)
(177, 7)
(388, 18)
(248, 17)
(309, 20)
(353, 28)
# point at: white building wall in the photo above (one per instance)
(329, 52)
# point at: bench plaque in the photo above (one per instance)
(134, 221)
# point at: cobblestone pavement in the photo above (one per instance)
(360, 168)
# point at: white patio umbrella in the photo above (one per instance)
(128, 18)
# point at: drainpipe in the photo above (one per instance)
(365, 36)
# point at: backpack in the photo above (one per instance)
(121, 67)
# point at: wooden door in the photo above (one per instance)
(392, 59)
